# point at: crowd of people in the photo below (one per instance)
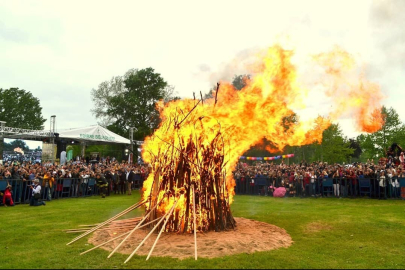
(33, 181)
(306, 179)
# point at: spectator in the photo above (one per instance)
(102, 184)
(130, 180)
(36, 194)
(336, 186)
(122, 180)
(8, 196)
(48, 181)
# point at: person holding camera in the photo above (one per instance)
(36, 194)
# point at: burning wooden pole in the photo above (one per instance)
(195, 224)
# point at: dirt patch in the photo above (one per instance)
(317, 227)
(248, 237)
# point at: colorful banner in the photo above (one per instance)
(267, 158)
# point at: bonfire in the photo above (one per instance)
(192, 155)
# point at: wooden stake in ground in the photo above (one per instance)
(129, 209)
(122, 235)
(161, 230)
(195, 225)
(137, 226)
(143, 241)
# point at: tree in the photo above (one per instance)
(334, 148)
(210, 93)
(130, 101)
(20, 109)
(239, 81)
(375, 144)
(355, 145)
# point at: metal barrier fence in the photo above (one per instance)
(62, 188)
(341, 187)
(372, 187)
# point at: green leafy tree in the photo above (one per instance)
(20, 109)
(130, 101)
(355, 145)
(334, 148)
(375, 144)
(369, 151)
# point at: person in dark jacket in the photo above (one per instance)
(122, 180)
(102, 184)
(108, 177)
(115, 181)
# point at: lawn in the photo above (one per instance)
(327, 233)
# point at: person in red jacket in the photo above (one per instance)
(352, 182)
(7, 197)
(307, 181)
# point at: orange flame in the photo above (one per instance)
(352, 93)
(257, 111)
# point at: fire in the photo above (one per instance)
(351, 92)
(199, 141)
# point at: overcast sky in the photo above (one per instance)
(60, 50)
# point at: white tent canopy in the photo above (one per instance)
(95, 134)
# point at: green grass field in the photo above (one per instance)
(327, 233)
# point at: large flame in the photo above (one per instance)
(351, 92)
(257, 111)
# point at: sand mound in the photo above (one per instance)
(249, 236)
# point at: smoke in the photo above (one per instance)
(387, 22)
(241, 64)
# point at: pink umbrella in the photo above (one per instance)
(279, 192)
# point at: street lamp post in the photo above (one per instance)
(131, 139)
(52, 129)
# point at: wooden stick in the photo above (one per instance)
(202, 100)
(122, 226)
(195, 226)
(107, 221)
(120, 222)
(122, 235)
(216, 95)
(162, 229)
(143, 241)
(133, 230)
(189, 112)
